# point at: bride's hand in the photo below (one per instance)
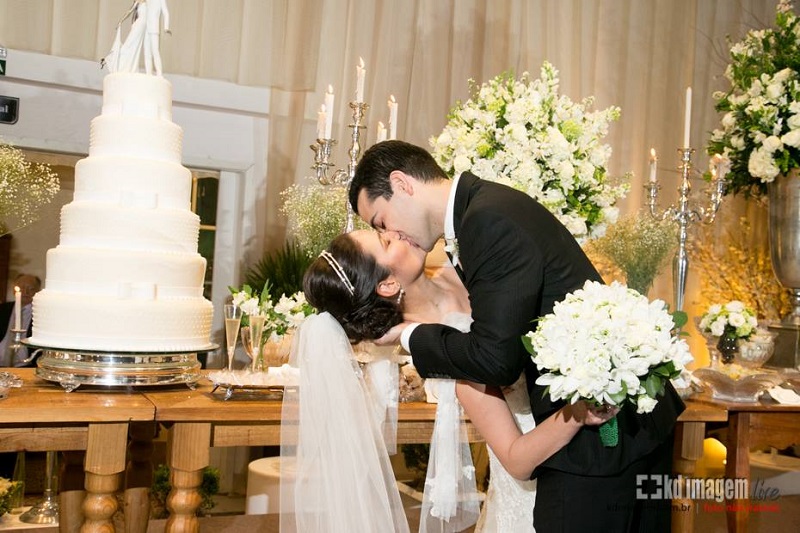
(393, 335)
(593, 415)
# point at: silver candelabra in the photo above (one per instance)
(323, 166)
(684, 215)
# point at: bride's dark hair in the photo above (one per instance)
(364, 315)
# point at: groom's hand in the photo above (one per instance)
(393, 335)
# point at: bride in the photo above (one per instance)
(369, 282)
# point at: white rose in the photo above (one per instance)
(792, 138)
(761, 165)
(735, 306)
(772, 144)
(793, 122)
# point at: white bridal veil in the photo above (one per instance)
(335, 471)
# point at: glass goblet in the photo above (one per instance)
(233, 319)
(257, 323)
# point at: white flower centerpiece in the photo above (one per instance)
(608, 344)
(275, 320)
(522, 133)
(760, 126)
(735, 325)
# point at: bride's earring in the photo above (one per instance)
(400, 296)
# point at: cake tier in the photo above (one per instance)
(150, 181)
(126, 227)
(90, 322)
(127, 93)
(122, 273)
(146, 138)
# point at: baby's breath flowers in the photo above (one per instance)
(638, 245)
(522, 133)
(25, 188)
(316, 214)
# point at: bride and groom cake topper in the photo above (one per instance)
(146, 16)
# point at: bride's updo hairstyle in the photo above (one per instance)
(363, 314)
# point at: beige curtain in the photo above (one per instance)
(637, 54)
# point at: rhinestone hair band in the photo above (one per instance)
(327, 256)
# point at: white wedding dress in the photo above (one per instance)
(508, 506)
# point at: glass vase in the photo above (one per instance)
(728, 345)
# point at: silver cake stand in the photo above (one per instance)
(72, 368)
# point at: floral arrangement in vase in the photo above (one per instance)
(25, 188)
(316, 214)
(608, 344)
(523, 133)
(730, 322)
(760, 126)
(280, 317)
(7, 491)
(638, 245)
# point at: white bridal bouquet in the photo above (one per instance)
(522, 133)
(608, 344)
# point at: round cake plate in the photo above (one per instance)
(72, 368)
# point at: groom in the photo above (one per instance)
(516, 261)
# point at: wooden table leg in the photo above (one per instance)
(105, 462)
(71, 493)
(188, 455)
(737, 466)
(139, 476)
(688, 449)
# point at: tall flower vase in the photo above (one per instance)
(784, 237)
(728, 345)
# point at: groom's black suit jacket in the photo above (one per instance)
(516, 261)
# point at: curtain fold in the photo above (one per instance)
(638, 55)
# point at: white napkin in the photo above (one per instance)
(784, 396)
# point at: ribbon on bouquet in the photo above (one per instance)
(609, 433)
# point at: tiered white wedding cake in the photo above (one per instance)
(126, 274)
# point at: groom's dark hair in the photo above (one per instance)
(381, 159)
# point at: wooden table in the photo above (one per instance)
(198, 420)
(750, 425)
(41, 416)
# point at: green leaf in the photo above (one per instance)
(526, 341)
(652, 385)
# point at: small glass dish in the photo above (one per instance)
(7, 382)
(735, 383)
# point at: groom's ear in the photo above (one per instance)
(401, 181)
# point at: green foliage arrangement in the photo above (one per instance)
(161, 488)
(282, 269)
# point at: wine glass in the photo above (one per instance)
(233, 319)
(253, 344)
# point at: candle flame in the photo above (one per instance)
(17, 289)
(392, 100)
(380, 125)
(652, 153)
(330, 89)
(361, 62)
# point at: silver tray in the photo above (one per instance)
(73, 368)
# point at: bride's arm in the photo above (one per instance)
(520, 453)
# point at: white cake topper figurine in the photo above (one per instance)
(146, 28)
